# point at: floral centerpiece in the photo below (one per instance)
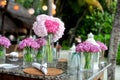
(4, 43)
(42, 42)
(51, 27)
(28, 45)
(88, 49)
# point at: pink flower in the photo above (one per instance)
(87, 47)
(45, 25)
(60, 30)
(94, 49)
(51, 26)
(79, 47)
(102, 46)
(5, 42)
(28, 42)
(41, 42)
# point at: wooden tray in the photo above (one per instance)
(51, 71)
(62, 60)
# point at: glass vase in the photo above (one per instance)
(28, 57)
(102, 60)
(86, 68)
(40, 55)
(96, 62)
(74, 66)
(50, 52)
(2, 55)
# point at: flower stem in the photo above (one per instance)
(39, 54)
(1, 52)
(49, 49)
(87, 60)
(28, 55)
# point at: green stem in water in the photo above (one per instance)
(1, 51)
(28, 55)
(87, 60)
(49, 49)
(39, 54)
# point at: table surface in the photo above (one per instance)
(19, 72)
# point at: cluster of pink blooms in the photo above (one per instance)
(28, 42)
(5, 42)
(45, 25)
(87, 47)
(103, 47)
(41, 42)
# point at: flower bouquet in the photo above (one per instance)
(87, 51)
(4, 43)
(50, 27)
(28, 45)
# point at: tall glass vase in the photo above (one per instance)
(28, 57)
(74, 66)
(2, 54)
(40, 55)
(86, 68)
(50, 52)
(96, 62)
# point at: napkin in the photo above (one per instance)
(8, 66)
(42, 67)
(14, 54)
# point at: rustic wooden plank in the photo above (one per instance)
(100, 76)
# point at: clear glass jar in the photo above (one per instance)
(74, 65)
(28, 57)
(2, 55)
(50, 55)
(40, 55)
(87, 65)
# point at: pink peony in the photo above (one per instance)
(102, 46)
(28, 42)
(45, 25)
(5, 42)
(87, 47)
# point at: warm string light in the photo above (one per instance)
(16, 7)
(44, 7)
(3, 3)
(31, 11)
(53, 9)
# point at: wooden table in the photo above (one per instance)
(18, 74)
(100, 74)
